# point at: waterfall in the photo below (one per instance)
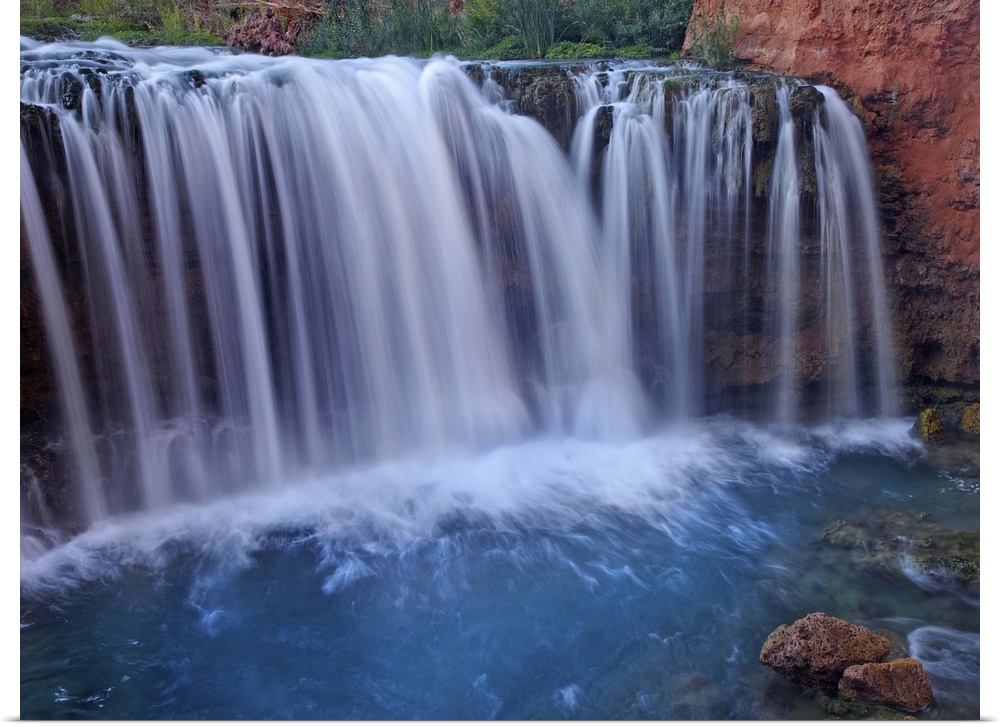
(848, 215)
(290, 265)
(783, 260)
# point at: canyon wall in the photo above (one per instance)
(910, 68)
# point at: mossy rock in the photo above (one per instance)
(804, 103)
(970, 419)
(855, 709)
(764, 114)
(954, 556)
(929, 427)
(882, 540)
(763, 171)
(890, 188)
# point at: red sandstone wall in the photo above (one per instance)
(913, 65)
(911, 69)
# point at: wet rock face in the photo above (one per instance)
(545, 93)
(900, 684)
(911, 70)
(816, 649)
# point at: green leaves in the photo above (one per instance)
(713, 39)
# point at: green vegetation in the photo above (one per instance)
(713, 39)
(491, 29)
(138, 22)
(569, 49)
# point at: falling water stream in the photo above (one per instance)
(376, 402)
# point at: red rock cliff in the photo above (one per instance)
(911, 69)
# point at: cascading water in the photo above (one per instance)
(353, 336)
(349, 262)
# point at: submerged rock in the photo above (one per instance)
(953, 557)
(838, 708)
(894, 542)
(900, 684)
(816, 649)
(695, 696)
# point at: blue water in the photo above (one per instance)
(547, 580)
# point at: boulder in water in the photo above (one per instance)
(970, 419)
(929, 427)
(816, 649)
(901, 684)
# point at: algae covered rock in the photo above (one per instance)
(803, 104)
(970, 419)
(816, 649)
(929, 427)
(838, 708)
(950, 557)
(901, 684)
(891, 542)
(545, 93)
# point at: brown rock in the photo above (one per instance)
(546, 94)
(900, 684)
(816, 649)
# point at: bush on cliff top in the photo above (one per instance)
(713, 39)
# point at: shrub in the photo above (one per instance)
(481, 24)
(534, 22)
(713, 39)
(38, 9)
(509, 49)
(660, 24)
(569, 49)
(537, 24)
(366, 28)
(635, 51)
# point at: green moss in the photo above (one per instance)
(714, 38)
(850, 709)
(929, 427)
(568, 49)
(509, 49)
(55, 29)
(955, 556)
(968, 541)
(890, 189)
(634, 51)
(49, 29)
(762, 173)
(970, 419)
(957, 567)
